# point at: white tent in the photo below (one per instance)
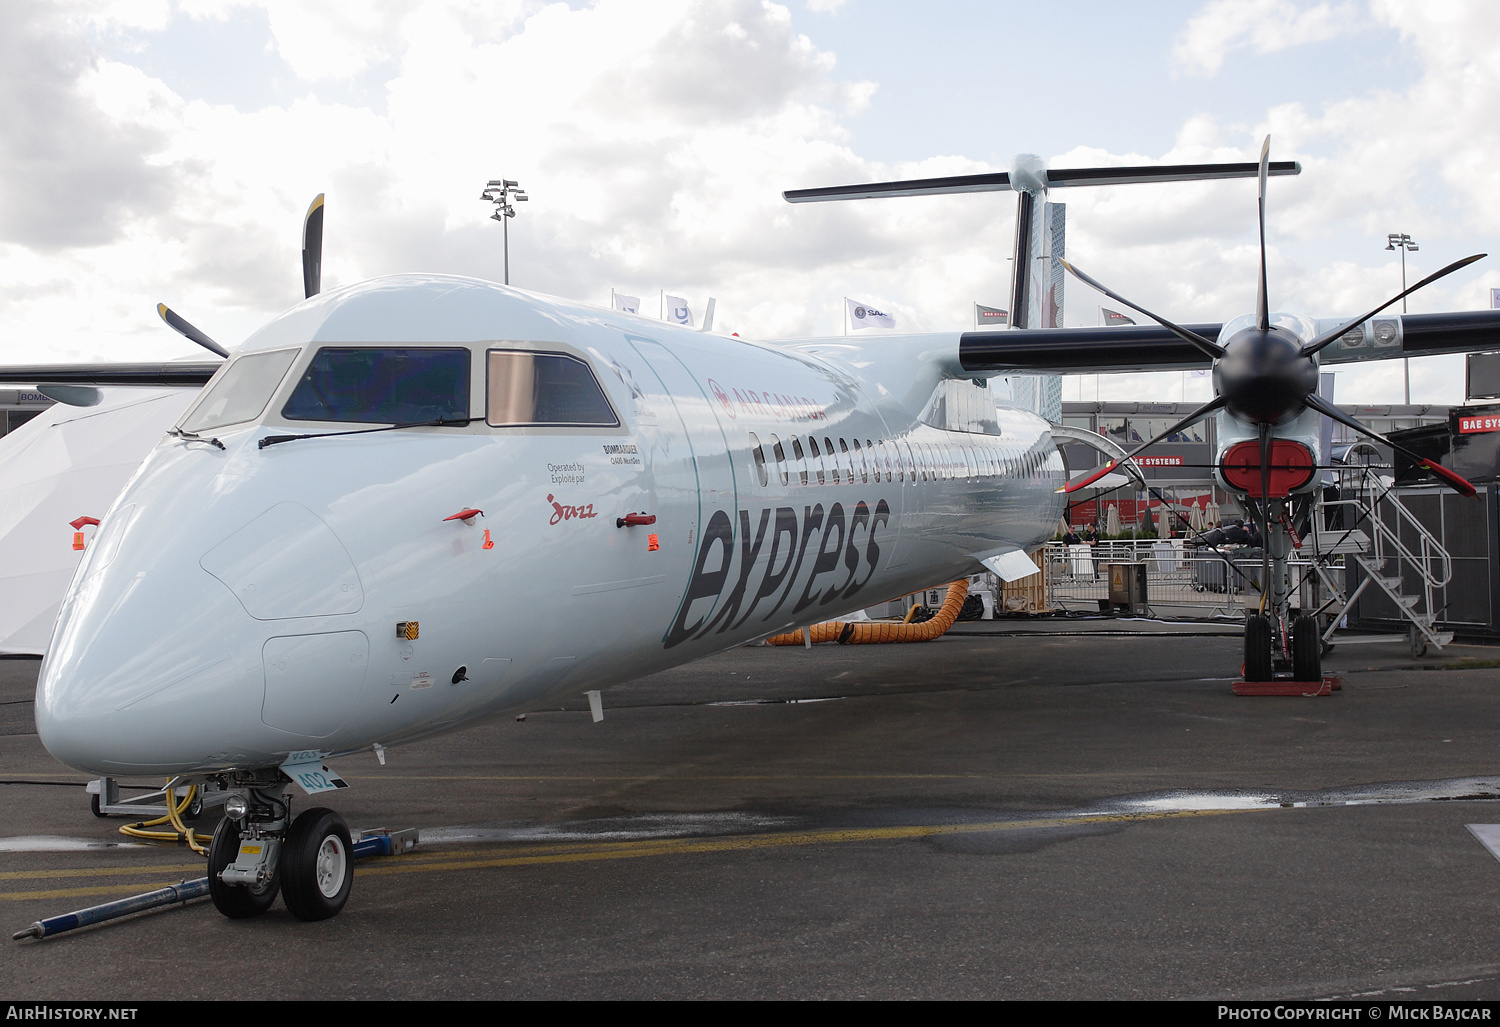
(66, 462)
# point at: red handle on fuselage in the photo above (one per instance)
(634, 519)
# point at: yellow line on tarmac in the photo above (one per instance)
(536, 854)
(144, 868)
(103, 889)
(685, 846)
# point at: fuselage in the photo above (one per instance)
(244, 602)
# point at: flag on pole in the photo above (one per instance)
(629, 304)
(862, 315)
(1114, 317)
(990, 316)
(677, 311)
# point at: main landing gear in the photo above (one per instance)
(258, 850)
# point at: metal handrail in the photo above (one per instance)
(1382, 533)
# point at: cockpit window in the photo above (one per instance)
(382, 386)
(529, 388)
(241, 392)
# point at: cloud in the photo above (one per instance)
(70, 174)
(655, 140)
(1263, 26)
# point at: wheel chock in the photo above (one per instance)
(1286, 686)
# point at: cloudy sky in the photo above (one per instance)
(166, 150)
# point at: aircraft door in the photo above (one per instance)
(689, 481)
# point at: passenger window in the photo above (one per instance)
(759, 456)
(848, 462)
(817, 458)
(801, 460)
(530, 388)
(371, 385)
(864, 470)
(833, 462)
(780, 455)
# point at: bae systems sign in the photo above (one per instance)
(1475, 425)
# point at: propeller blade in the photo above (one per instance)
(182, 327)
(1110, 465)
(312, 249)
(1458, 482)
(1211, 348)
(1262, 302)
(1328, 337)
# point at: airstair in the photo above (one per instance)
(1395, 553)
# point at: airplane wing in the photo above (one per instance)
(1155, 348)
(175, 372)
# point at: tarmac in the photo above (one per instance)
(1039, 808)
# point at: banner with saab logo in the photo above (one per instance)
(862, 315)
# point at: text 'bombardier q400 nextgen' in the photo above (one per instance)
(319, 559)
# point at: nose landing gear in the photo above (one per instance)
(254, 855)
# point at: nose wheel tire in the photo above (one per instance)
(1257, 648)
(236, 901)
(317, 865)
(1307, 650)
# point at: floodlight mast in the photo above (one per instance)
(1403, 242)
(500, 192)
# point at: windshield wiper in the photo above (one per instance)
(192, 436)
(441, 422)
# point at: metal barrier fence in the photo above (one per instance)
(1180, 580)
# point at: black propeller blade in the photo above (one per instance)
(312, 249)
(1262, 300)
(1110, 465)
(181, 326)
(1458, 482)
(1328, 337)
(1211, 348)
(1057, 178)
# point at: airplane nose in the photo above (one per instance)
(145, 674)
(180, 650)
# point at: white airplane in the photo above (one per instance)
(319, 559)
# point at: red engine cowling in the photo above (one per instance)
(1292, 466)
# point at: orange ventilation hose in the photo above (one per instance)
(873, 632)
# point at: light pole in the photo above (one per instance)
(500, 192)
(1401, 241)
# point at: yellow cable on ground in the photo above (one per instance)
(874, 632)
(180, 834)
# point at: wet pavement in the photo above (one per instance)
(1037, 808)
